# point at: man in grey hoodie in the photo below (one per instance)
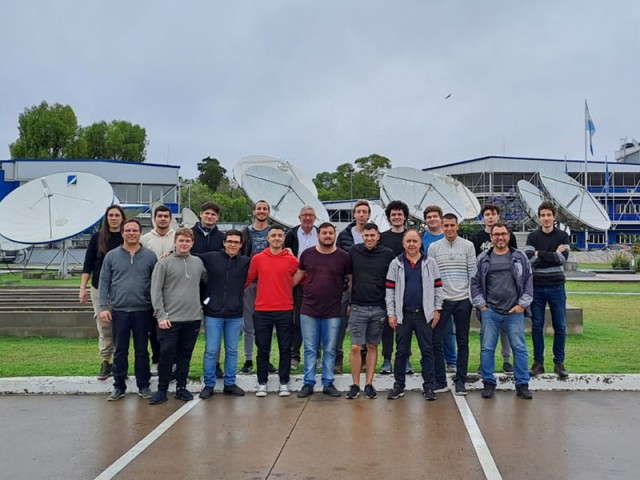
(175, 296)
(125, 280)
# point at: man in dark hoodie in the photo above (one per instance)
(370, 263)
(207, 237)
(227, 274)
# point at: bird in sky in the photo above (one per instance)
(447, 97)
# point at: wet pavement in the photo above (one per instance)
(557, 435)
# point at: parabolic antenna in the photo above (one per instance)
(531, 197)
(419, 189)
(284, 193)
(379, 217)
(267, 161)
(7, 245)
(54, 207)
(189, 218)
(575, 201)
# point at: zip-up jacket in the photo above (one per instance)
(431, 287)
(174, 288)
(345, 238)
(206, 241)
(369, 274)
(93, 260)
(225, 285)
(125, 280)
(522, 278)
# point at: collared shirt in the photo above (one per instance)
(306, 240)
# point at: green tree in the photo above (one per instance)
(358, 180)
(211, 173)
(46, 132)
(118, 140)
(234, 204)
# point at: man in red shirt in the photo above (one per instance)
(274, 269)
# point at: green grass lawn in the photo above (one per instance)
(16, 280)
(605, 287)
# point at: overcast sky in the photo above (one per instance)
(323, 83)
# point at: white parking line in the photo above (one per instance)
(117, 466)
(485, 458)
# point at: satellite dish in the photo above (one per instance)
(132, 210)
(574, 201)
(189, 218)
(285, 194)
(7, 245)
(531, 197)
(419, 189)
(379, 217)
(54, 208)
(254, 160)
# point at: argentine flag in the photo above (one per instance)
(589, 126)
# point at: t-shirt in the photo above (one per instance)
(502, 294)
(482, 241)
(428, 238)
(258, 239)
(392, 240)
(322, 291)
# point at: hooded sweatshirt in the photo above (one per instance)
(369, 274)
(225, 286)
(157, 243)
(274, 273)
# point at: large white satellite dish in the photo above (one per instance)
(574, 201)
(7, 245)
(264, 160)
(284, 193)
(419, 189)
(55, 207)
(189, 218)
(379, 217)
(531, 197)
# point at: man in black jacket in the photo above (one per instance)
(207, 237)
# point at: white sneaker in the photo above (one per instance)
(284, 391)
(154, 369)
(262, 390)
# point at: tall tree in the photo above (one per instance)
(117, 140)
(353, 181)
(211, 173)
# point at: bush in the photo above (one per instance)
(621, 261)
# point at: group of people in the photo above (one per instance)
(310, 284)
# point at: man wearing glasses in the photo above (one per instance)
(502, 289)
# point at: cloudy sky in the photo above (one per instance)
(323, 83)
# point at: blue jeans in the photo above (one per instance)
(513, 324)
(556, 297)
(215, 329)
(315, 330)
(449, 342)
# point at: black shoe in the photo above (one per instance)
(305, 391)
(523, 391)
(337, 368)
(428, 394)
(105, 370)
(159, 397)
(408, 369)
(489, 390)
(247, 367)
(331, 390)
(507, 368)
(396, 392)
(354, 392)
(560, 370)
(117, 394)
(536, 369)
(272, 369)
(219, 372)
(370, 392)
(206, 392)
(460, 389)
(145, 392)
(234, 390)
(183, 394)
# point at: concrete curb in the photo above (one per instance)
(90, 385)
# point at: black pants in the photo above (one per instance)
(176, 344)
(460, 310)
(125, 325)
(155, 344)
(263, 323)
(297, 333)
(414, 322)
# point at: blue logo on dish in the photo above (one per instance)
(72, 180)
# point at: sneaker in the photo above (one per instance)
(295, 364)
(206, 392)
(145, 392)
(247, 367)
(337, 368)
(452, 368)
(441, 388)
(154, 369)
(234, 390)
(536, 369)
(262, 390)
(117, 394)
(560, 370)
(354, 392)
(331, 390)
(386, 369)
(523, 391)
(305, 391)
(219, 372)
(408, 369)
(183, 394)
(284, 391)
(489, 390)
(461, 390)
(396, 392)
(370, 391)
(105, 370)
(159, 397)
(507, 368)
(429, 395)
